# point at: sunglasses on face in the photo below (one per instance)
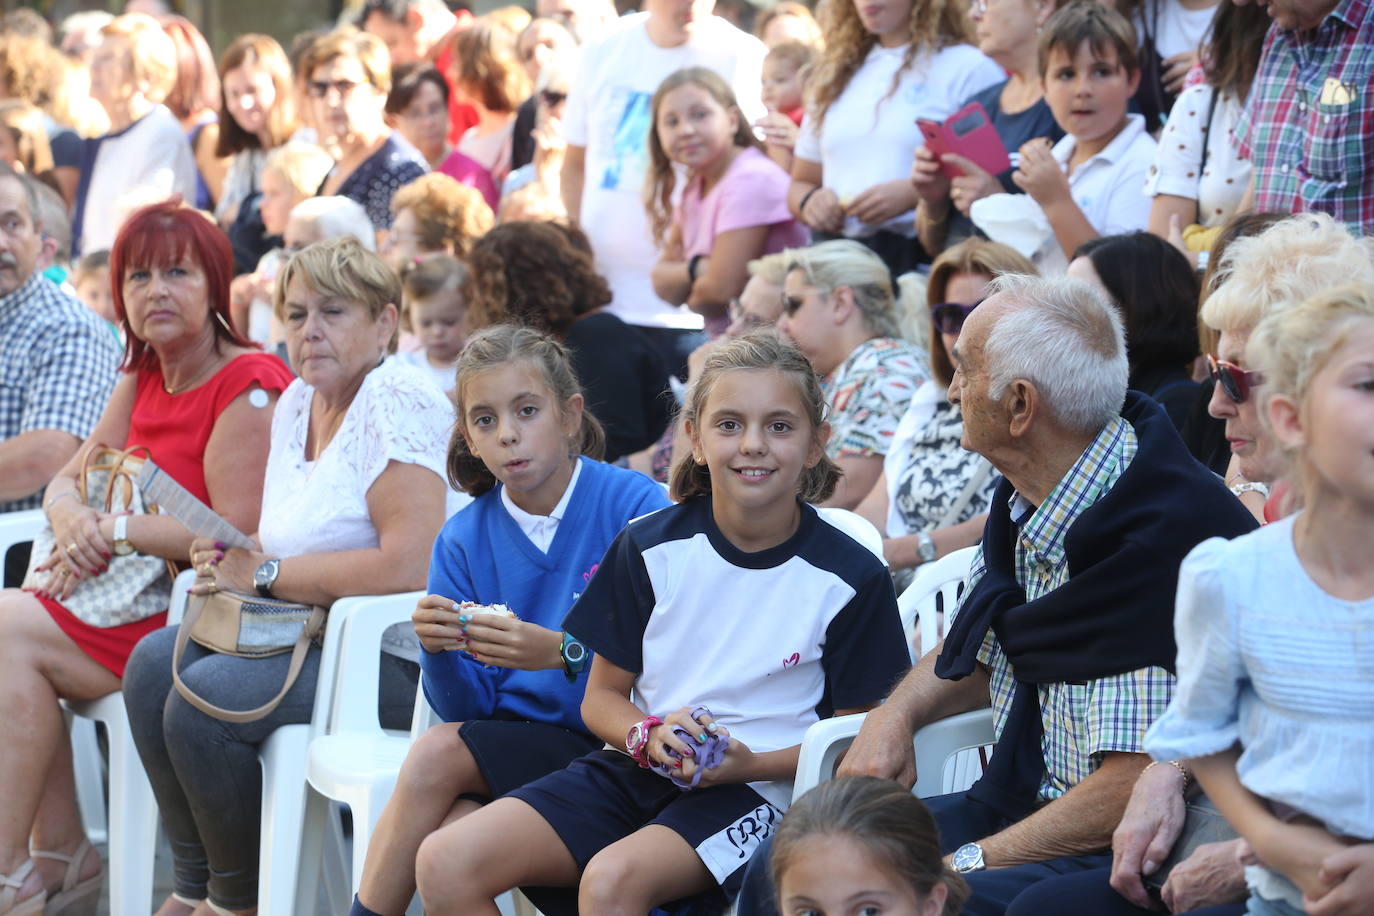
(949, 317)
(553, 99)
(1235, 381)
(741, 316)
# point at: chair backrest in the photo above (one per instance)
(936, 589)
(425, 717)
(857, 527)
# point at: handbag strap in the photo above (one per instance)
(975, 483)
(1207, 131)
(293, 671)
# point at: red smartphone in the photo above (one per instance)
(968, 133)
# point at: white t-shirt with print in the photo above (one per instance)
(608, 115)
(869, 133)
(1107, 188)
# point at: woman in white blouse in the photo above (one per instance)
(353, 499)
(886, 63)
(1197, 177)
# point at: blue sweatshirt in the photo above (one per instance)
(482, 555)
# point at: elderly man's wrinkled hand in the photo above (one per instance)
(882, 748)
(1211, 876)
(1148, 830)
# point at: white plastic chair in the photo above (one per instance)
(290, 855)
(18, 527)
(937, 746)
(857, 527)
(357, 765)
(132, 818)
(935, 589)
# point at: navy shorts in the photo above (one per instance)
(605, 796)
(510, 753)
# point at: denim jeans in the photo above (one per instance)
(205, 773)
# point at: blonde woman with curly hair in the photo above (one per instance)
(435, 214)
(885, 64)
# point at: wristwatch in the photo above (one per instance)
(265, 576)
(574, 656)
(968, 857)
(637, 739)
(122, 546)
(925, 547)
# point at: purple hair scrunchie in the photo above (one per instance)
(707, 756)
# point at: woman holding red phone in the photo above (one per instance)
(850, 174)
(1006, 31)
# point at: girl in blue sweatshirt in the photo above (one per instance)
(508, 688)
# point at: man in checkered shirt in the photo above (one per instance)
(1066, 626)
(58, 360)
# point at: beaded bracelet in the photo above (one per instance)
(1187, 777)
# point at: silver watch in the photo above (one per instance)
(265, 576)
(925, 547)
(968, 857)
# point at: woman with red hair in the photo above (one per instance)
(200, 397)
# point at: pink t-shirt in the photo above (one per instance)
(752, 192)
(466, 170)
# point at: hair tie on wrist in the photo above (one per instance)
(801, 207)
(692, 264)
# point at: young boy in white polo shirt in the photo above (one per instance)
(1089, 183)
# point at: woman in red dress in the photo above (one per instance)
(200, 397)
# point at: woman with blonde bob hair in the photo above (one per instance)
(933, 495)
(1259, 276)
(883, 67)
(838, 309)
(353, 497)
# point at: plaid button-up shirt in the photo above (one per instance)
(1081, 721)
(58, 364)
(1308, 126)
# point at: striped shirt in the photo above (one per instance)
(1080, 721)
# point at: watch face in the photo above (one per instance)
(968, 857)
(574, 651)
(634, 738)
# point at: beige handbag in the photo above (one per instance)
(135, 586)
(249, 627)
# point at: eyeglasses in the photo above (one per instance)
(949, 317)
(320, 88)
(552, 99)
(742, 316)
(978, 7)
(1235, 381)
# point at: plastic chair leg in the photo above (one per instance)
(283, 820)
(89, 769)
(133, 818)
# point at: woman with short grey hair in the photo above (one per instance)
(353, 499)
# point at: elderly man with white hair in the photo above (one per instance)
(1066, 626)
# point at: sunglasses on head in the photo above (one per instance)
(1235, 381)
(949, 317)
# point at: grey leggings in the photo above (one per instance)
(205, 773)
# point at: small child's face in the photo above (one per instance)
(1088, 91)
(438, 321)
(831, 875)
(278, 197)
(782, 84)
(94, 291)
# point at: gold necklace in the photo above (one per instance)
(178, 389)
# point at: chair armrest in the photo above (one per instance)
(821, 748)
(176, 607)
(941, 740)
(346, 698)
(18, 527)
(827, 739)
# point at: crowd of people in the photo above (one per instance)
(661, 350)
